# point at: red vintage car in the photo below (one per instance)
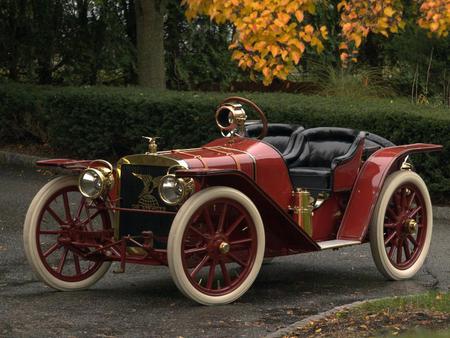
(213, 214)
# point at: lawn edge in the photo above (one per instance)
(305, 321)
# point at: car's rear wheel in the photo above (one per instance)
(57, 209)
(216, 246)
(401, 226)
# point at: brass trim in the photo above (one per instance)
(166, 152)
(246, 153)
(152, 146)
(215, 148)
(411, 226)
(106, 179)
(233, 156)
(197, 157)
(188, 188)
(139, 159)
(234, 117)
(406, 165)
(303, 209)
(224, 248)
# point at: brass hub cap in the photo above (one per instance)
(224, 248)
(411, 226)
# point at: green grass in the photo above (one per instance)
(431, 301)
(422, 333)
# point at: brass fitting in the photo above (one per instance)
(152, 146)
(303, 209)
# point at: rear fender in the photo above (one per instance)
(369, 184)
(283, 235)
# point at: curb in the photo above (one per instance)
(286, 331)
(28, 161)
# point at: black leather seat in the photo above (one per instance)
(317, 152)
(374, 142)
(278, 134)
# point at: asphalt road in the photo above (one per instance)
(145, 302)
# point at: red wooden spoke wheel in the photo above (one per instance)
(220, 236)
(55, 219)
(401, 227)
(216, 246)
(405, 226)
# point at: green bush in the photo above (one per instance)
(97, 122)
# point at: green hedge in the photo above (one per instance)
(109, 122)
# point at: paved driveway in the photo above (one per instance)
(145, 302)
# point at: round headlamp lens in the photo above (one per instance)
(91, 183)
(171, 189)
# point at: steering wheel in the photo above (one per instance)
(262, 116)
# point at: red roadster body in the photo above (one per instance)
(212, 214)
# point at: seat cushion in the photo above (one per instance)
(279, 142)
(317, 147)
(321, 153)
(311, 178)
(278, 134)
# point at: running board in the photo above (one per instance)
(336, 243)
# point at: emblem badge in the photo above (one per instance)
(146, 200)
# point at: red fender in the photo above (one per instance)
(64, 163)
(283, 235)
(368, 185)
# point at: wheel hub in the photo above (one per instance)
(224, 247)
(411, 226)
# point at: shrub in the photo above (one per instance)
(97, 122)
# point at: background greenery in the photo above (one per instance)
(109, 122)
(67, 42)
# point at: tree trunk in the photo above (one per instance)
(150, 43)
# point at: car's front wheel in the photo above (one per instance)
(57, 213)
(401, 227)
(216, 246)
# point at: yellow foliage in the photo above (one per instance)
(271, 35)
(358, 18)
(435, 17)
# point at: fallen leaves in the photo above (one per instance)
(358, 323)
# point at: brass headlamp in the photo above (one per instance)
(174, 190)
(96, 181)
(230, 118)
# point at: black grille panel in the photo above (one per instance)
(139, 190)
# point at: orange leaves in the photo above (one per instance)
(435, 17)
(271, 35)
(299, 16)
(384, 17)
(389, 11)
(296, 56)
(283, 17)
(358, 18)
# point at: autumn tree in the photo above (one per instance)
(271, 36)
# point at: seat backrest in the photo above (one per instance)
(278, 134)
(319, 146)
(375, 142)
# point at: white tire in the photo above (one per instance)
(33, 249)
(179, 235)
(393, 232)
